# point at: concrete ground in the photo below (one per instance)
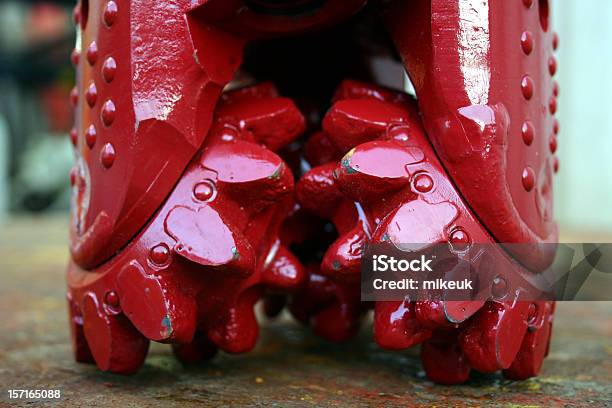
(289, 367)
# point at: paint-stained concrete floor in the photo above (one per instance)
(289, 367)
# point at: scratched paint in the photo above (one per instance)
(474, 49)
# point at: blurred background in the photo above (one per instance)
(36, 38)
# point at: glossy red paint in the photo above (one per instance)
(390, 186)
(256, 19)
(482, 70)
(184, 210)
(194, 272)
(152, 107)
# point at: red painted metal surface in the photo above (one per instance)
(193, 274)
(145, 102)
(390, 186)
(183, 210)
(145, 106)
(483, 73)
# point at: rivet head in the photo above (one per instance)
(527, 87)
(552, 66)
(400, 133)
(107, 155)
(91, 95)
(92, 53)
(499, 287)
(528, 3)
(528, 132)
(74, 96)
(527, 42)
(555, 164)
(76, 15)
(552, 105)
(110, 13)
(459, 236)
(528, 178)
(422, 183)
(75, 57)
(90, 136)
(109, 69)
(556, 127)
(159, 254)
(556, 89)
(229, 133)
(73, 176)
(111, 298)
(552, 143)
(108, 113)
(74, 136)
(204, 190)
(555, 41)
